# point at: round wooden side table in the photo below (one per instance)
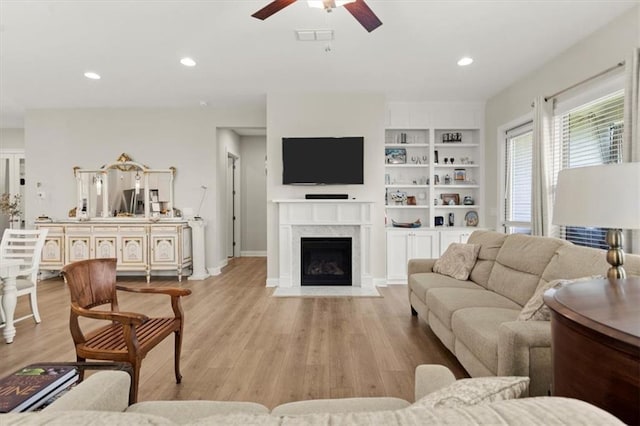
(595, 341)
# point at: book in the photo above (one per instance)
(32, 386)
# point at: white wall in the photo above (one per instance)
(327, 114)
(253, 150)
(603, 49)
(58, 140)
(11, 138)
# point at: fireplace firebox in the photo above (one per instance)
(326, 261)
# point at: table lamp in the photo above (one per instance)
(604, 196)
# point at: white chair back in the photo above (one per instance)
(26, 245)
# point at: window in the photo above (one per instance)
(518, 179)
(588, 135)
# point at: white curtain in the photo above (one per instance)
(542, 139)
(632, 122)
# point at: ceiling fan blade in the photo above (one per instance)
(271, 8)
(363, 14)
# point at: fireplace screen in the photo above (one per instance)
(326, 261)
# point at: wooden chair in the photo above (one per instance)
(25, 245)
(129, 336)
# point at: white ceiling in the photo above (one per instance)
(46, 46)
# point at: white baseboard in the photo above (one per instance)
(253, 253)
(379, 282)
(218, 269)
(272, 282)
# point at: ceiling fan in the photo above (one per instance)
(357, 8)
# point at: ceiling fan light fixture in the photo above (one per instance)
(463, 62)
(328, 4)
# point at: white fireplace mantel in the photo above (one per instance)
(312, 218)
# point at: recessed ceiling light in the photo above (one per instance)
(92, 75)
(188, 62)
(463, 62)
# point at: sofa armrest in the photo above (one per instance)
(524, 349)
(420, 265)
(102, 391)
(430, 378)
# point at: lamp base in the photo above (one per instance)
(615, 254)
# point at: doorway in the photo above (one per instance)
(233, 206)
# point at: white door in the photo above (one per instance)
(397, 256)
(12, 182)
(448, 237)
(423, 245)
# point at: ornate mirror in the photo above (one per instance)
(124, 189)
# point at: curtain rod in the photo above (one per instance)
(608, 70)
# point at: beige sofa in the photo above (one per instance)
(476, 319)
(102, 400)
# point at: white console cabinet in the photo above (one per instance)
(139, 245)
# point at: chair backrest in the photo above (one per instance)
(92, 282)
(26, 245)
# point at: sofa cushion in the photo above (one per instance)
(457, 260)
(340, 405)
(535, 309)
(422, 282)
(444, 302)
(520, 264)
(188, 411)
(490, 243)
(570, 262)
(475, 391)
(477, 329)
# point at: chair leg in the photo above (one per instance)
(33, 299)
(135, 379)
(80, 370)
(178, 339)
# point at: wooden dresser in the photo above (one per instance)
(595, 330)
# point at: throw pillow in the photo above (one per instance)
(535, 309)
(457, 261)
(475, 391)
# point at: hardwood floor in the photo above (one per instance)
(241, 344)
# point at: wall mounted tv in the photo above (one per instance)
(322, 161)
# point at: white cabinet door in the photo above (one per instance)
(405, 245)
(423, 245)
(397, 256)
(448, 237)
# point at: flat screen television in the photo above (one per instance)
(323, 161)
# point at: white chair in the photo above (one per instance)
(25, 245)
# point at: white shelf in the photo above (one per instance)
(455, 145)
(406, 145)
(408, 207)
(425, 166)
(456, 186)
(456, 166)
(409, 185)
(472, 206)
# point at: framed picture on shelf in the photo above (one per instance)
(395, 155)
(460, 175)
(450, 199)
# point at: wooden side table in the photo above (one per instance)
(595, 332)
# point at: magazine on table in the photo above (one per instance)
(32, 386)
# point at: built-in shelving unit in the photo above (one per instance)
(419, 136)
(422, 173)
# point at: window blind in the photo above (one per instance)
(588, 135)
(518, 179)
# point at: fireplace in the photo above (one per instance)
(325, 261)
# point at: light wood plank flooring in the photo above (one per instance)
(242, 344)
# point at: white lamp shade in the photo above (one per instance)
(606, 196)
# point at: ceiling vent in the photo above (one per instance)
(314, 35)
